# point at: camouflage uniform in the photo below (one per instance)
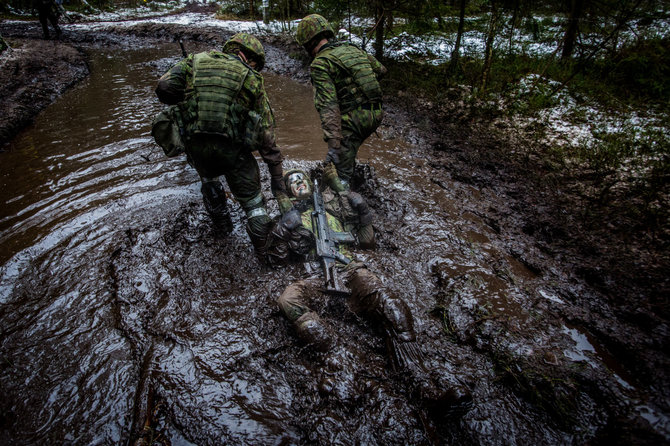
(349, 111)
(347, 94)
(225, 115)
(293, 239)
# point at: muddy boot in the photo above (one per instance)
(215, 203)
(312, 331)
(258, 229)
(408, 359)
(338, 377)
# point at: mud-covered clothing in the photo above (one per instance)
(293, 237)
(368, 296)
(348, 98)
(226, 114)
(47, 10)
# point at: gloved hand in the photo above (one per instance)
(333, 151)
(276, 181)
(361, 207)
(284, 202)
(332, 178)
(277, 186)
(290, 235)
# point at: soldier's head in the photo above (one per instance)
(311, 30)
(298, 184)
(249, 46)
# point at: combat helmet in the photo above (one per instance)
(249, 45)
(311, 26)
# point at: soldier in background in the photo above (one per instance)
(47, 10)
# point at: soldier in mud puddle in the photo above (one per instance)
(293, 239)
(347, 94)
(224, 115)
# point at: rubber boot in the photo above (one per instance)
(407, 358)
(258, 229)
(312, 331)
(338, 374)
(216, 205)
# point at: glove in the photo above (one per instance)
(284, 202)
(361, 207)
(277, 186)
(333, 179)
(276, 182)
(289, 235)
(333, 151)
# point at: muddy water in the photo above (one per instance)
(114, 286)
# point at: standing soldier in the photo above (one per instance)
(47, 10)
(347, 94)
(226, 115)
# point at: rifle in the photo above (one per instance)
(327, 242)
(183, 50)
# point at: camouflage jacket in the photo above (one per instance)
(293, 237)
(330, 76)
(176, 87)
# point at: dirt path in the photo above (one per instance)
(580, 275)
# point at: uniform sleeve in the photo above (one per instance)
(268, 150)
(325, 100)
(379, 69)
(174, 84)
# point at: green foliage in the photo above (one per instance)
(3, 45)
(412, 77)
(640, 71)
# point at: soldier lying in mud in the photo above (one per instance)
(293, 239)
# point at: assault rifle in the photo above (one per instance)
(327, 242)
(183, 50)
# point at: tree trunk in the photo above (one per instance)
(488, 52)
(515, 15)
(380, 17)
(572, 29)
(456, 53)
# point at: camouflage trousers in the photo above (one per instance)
(357, 126)
(368, 297)
(213, 156)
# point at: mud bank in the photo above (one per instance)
(557, 324)
(35, 73)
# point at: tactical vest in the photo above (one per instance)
(217, 81)
(357, 84)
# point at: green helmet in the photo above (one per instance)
(248, 44)
(311, 26)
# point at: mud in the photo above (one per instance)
(558, 325)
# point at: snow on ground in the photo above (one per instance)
(568, 122)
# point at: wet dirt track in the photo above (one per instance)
(115, 284)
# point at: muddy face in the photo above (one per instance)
(114, 282)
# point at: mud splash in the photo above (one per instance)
(113, 282)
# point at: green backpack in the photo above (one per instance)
(167, 131)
